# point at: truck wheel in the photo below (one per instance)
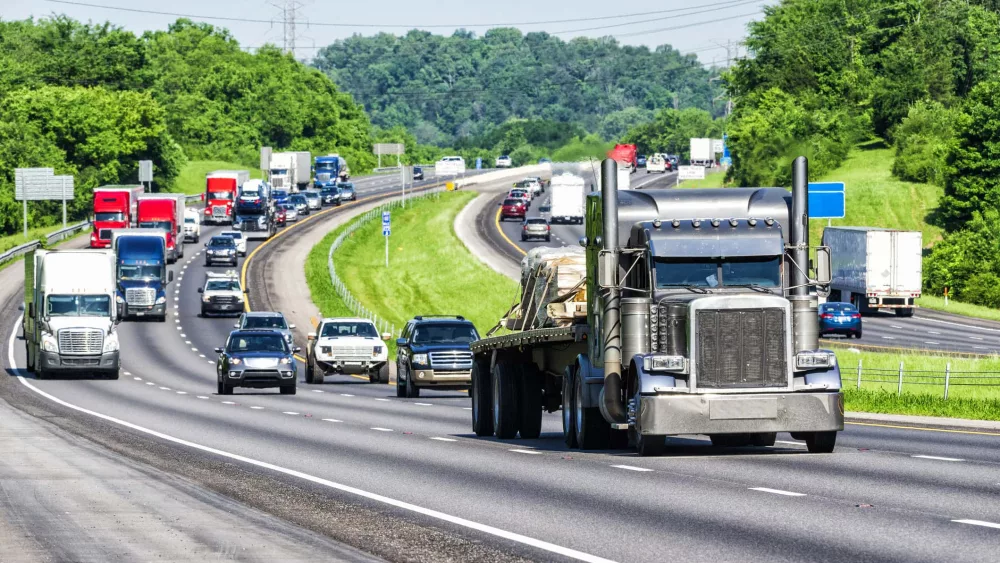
(400, 385)
(568, 416)
(482, 400)
(904, 312)
(592, 431)
(820, 442)
(383, 373)
(531, 402)
(763, 439)
(29, 359)
(412, 391)
(505, 414)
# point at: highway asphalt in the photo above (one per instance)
(405, 479)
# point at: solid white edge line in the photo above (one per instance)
(443, 439)
(978, 523)
(511, 536)
(380, 429)
(631, 468)
(531, 452)
(937, 458)
(777, 492)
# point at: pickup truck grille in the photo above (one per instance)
(219, 211)
(348, 353)
(451, 359)
(140, 296)
(741, 348)
(222, 299)
(82, 341)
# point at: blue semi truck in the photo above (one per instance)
(329, 170)
(141, 274)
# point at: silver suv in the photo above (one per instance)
(536, 227)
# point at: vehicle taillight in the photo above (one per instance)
(855, 315)
(826, 316)
(548, 227)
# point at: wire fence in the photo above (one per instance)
(924, 380)
(375, 214)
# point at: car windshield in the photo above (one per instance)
(417, 169)
(165, 225)
(143, 272)
(189, 221)
(233, 235)
(444, 332)
(537, 221)
(222, 285)
(258, 343)
(288, 207)
(226, 196)
(297, 199)
(279, 194)
(349, 187)
(512, 202)
(837, 308)
(545, 209)
(312, 195)
(731, 272)
(78, 305)
(325, 166)
(270, 321)
(109, 216)
(226, 242)
(358, 328)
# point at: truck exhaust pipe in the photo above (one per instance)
(612, 405)
(804, 305)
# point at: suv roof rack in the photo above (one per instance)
(422, 317)
(227, 274)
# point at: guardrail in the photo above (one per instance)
(66, 232)
(374, 214)
(923, 379)
(49, 239)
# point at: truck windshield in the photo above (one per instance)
(109, 216)
(165, 225)
(362, 329)
(140, 272)
(78, 306)
(222, 285)
(429, 334)
(326, 166)
(225, 196)
(270, 321)
(714, 272)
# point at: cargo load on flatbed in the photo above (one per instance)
(553, 289)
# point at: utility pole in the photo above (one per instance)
(289, 14)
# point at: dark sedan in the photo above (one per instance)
(256, 359)
(418, 173)
(839, 318)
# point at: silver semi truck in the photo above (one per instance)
(700, 320)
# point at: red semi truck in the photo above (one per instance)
(166, 212)
(625, 154)
(114, 208)
(220, 192)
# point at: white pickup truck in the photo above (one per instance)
(347, 346)
(192, 225)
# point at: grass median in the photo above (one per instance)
(191, 179)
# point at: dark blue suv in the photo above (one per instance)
(433, 352)
(839, 318)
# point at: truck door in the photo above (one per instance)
(880, 262)
(907, 271)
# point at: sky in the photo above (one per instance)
(702, 27)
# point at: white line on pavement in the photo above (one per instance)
(228, 403)
(424, 404)
(257, 408)
(631, 468)
(182, 392)
(777, 492)
(290, 412)
(332, 420)
(789, 443)
(150, 383)
(165, 388)
(443, 439)
(346, 395)
(382, 429)
(937, 458)
(202, 397)
(978, 523)
(529, 452)
(381, 399)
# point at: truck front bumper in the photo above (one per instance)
(146, 310)
(52, 362)
(235, 307)
(350, 366)
(734, 414)
(426, 377)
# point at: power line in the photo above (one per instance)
(695, 10)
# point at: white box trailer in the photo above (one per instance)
(875, 269)
(567, 192)
(624, 176)
(701, 151)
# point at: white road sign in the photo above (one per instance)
(690, 172)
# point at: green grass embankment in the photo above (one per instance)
(191, 179)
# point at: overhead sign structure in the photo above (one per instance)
(690, 172)
(40, 184)
(388, 148)
(827, 200)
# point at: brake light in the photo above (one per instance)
(548, 227)
(855, 316)
(826, 316)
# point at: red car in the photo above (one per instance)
(513, 209)
(279, 216)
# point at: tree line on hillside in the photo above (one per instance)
(448, 90)
(918, 75)
(92, 100)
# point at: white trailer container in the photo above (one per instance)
(875, 269)
(301, 169)
(701, 151)
(567, 193)
(290, 170)
(624, 176)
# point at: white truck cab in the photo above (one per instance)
(222, 293)
(347, 346)
(192, 225)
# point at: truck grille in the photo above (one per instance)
(349, 353)
(222, 299)
(219, 211)
(451, 359)
(81, 341)
(140, 296)
(741, 348)
(104, 234)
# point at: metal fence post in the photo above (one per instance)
(859, 374)
(947, 378)
(899, 388)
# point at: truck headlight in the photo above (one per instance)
(377, 350)
(111, 342)
(235, 361)
(49, 343)
(815, 360)
(119, 299)
(664, 363)
(161, 300)
(420, 359)
(285, 361)
(206, 299)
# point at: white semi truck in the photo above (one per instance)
(875, 269)
(567, 193)
(291, 170)
(69, 312)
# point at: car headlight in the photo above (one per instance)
(664, 363)
(206, 298)
(377, 350)
(161, 300)
(111, 342)
(49, 343)
(235, 361)
(285, 361)
(420, 358)
(815, 360)
(288, 338)
(119, 299)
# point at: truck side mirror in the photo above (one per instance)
(170, 276)
(218, 350)
(824, 265)
(119, 312)
(21, 307)
(401, 342)
(311, 336)
(201, 290)
(607, 269)
(296, 350)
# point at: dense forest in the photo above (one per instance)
(446, 90)
(918, 75)
(92, 100)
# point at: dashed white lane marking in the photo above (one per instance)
(183, 335)
(194, 349)
(318, 391)
(177, 292)
(165, 388)
(443, 439)
(137, 378)
(211, 362)
(381, 399)
(150, 383)
(529, 452)
(228, 403)
(930, 342)
(187, 342)
(423, 404)
(257, 408)
(177, 320)
(933, 332)
(202, 397)
(382, 429)
(182, 392)
(201, 355)
(937, 458)
(127, 373)
(888, 338)
(466, 408)
(894, 326)
(289, 412)
(788, 443)
(177, 298)
(177, 306)
(631, 468)
(979, 347)
(777, 492)
(179, 327)
(976, 337)
(978, 523)
(331, 420)
(346, 395)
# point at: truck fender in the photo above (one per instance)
(647, 382)
(829, 377)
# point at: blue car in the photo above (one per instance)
(640, 161)
(347, 191)
(839, 318)
(279, 196)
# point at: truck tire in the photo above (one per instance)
(568, 416)
(531, 402)
(412, 391)
(592, 431)
(482, 400)
(904, 312)
(383, 373)
(821, 442)
(400, 385)
(506, 418)
(29, 360)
